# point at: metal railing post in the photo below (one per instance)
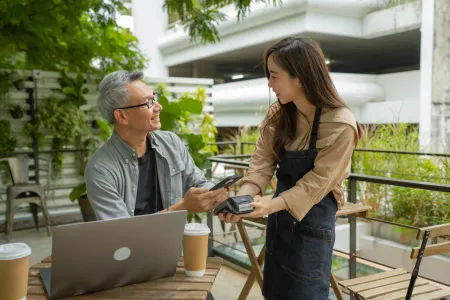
(352, 220)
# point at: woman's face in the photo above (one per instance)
(286, 88)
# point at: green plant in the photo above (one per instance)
(75, 36)
(63, 122)
(4, 84)
(200, 18)
(16, 111)
(7, 142)
(182, 116)
(400, 204)
(73, 88)
(31, 131)
(244, 134)
(248, 134)
(92, 143)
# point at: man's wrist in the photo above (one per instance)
(178, 206)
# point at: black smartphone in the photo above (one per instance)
(226, 182)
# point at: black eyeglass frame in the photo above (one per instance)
(154, 99)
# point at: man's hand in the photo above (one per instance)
(201, 199)
(229, 218)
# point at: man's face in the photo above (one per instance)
(141, 118)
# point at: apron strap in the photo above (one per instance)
(315, 129)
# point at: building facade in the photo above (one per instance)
(382, 58)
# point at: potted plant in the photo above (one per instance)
(16, 111)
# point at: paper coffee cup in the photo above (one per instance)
(195, 248)
(14, 264)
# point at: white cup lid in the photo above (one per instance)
(196, 229)
(14, 251)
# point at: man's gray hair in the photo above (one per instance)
(113, 92)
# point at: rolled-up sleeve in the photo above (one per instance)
(330, 169)
(262, 163)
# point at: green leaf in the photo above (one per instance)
(68, 91)
(172, 108)
(78, 191)
(195, 141)
(190, 105)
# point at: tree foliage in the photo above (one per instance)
(201, 17)
(72, 35)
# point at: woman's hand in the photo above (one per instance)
(265, 206)
(260, 205)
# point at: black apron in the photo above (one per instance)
(299, 254)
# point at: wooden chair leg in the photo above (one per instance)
(252, 276)
(250, 252)
(335, 286)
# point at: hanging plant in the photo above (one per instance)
(16, 111)
(64, 122)
(7, 141)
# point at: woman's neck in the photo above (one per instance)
(306, 108)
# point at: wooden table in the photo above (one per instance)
(178, 287)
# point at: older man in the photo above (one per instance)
(141, 169)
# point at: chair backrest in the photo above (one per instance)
(432, 232)
(16, 170)
(19, 168)
(6, 176)
(427, 250)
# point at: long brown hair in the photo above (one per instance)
(302, 58)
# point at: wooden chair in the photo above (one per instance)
(400, 284)
(349, 209)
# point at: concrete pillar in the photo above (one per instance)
(426, 71)
(150, 23)
(440, 114)
(435, 76)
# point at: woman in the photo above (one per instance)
(310, 134)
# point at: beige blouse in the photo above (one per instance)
(338, 136)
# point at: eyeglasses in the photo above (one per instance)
(149, 103)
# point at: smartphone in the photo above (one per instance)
(226, 182)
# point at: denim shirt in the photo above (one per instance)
(112, 174)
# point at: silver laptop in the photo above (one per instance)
(95, 256)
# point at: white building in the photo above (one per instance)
(380, 57)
